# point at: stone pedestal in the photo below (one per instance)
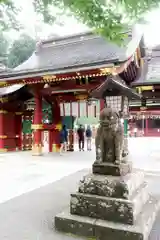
(111, 203)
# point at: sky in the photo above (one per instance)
(34, 26)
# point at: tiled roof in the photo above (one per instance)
(77, 50)
(153, 70)
(73, 51)
(153, 74)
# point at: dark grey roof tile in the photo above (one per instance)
(77, 51)
(73, 51)
(80, 52)
(153, 74)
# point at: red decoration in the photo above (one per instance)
(18, 128)
(102, 104)
(1, 130)
(38, 119)
(57, 121)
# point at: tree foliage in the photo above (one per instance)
(21, 50)
(3, 48)
(109, 18)
(8, 14)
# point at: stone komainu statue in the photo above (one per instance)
(110, 138)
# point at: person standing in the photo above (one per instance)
(63, 139)
(89, 138)
(80, 133)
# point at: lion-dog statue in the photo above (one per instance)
(110, 137)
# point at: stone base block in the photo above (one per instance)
(139, 231)
(111, 209)
(112, 169)
(101, 229)
(81, 226)
(110, 186)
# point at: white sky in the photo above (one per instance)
(34, 27)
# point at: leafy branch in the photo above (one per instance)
(109, 18)
(8, 13)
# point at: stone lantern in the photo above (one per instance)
(112, 202)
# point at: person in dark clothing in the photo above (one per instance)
(89, 138)
(63, 139)
(80, 133)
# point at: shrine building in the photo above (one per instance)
(45, 91)
(146, 117)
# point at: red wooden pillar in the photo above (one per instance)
(18, 130)
(2, 131)
(102, 104)
(58, 126)
(37, 126)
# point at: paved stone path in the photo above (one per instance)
(31, 215)
(145, 154)
(21, 173)
(35, 189)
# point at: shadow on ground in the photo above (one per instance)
(31, 215)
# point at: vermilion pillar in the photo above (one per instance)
(37, 125)
(2, 131)
(18, 130)
(102, 104)
(58, 127)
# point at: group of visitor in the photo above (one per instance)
(82, 135)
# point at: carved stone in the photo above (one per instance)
(112, 169)
(99, 229)
(113, 201)
(111, 209)
(109, 140)
(110, 186)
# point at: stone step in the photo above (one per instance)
(111, 209)
(111, 186)
(101, 229)
(105, 168)
(139, 231)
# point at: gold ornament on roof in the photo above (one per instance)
(49, 77)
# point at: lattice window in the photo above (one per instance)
(114, 102)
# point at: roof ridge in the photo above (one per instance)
(72, 36)
(67, 37)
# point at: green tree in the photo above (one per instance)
(8, 14)
(21, 50)
(107, 17)
(3, 48)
